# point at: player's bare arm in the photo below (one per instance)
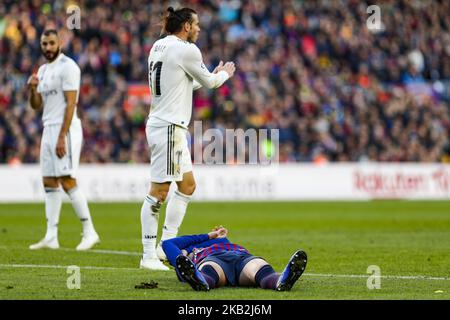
(35, 97)
(71, 98)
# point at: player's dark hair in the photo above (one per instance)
(175, 19)
(50, 32)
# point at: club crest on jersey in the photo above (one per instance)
(196, 252)
(49, 93)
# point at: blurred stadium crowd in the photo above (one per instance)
(336, 90)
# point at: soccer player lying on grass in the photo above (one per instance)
(208, 261)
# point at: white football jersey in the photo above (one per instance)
(173, 65)
(60, 75)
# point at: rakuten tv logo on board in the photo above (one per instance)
(389, 185)
(441, 179)
(401, 184)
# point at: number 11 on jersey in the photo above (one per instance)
(155, 77)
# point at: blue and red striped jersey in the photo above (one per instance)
(202, 253)
(200, 245)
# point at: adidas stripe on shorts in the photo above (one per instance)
(170, 157)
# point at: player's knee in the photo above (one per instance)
(193, 186)
(68, 184)
(222, 279)
(161, 195)
(188, 189)
(50, 182)
(159, 191)
(248, 274)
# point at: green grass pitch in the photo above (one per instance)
(408, 240)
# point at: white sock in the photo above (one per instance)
(149, 221)
(175, 211)
(80, 205)
(53, 204)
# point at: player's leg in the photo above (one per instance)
(159, 141)
(213, 274)
(53, 199)
(53, 204)
(81, 208)
(187, 271)
(258, 272)
(177, 205)
(149, 222)
(179, 200)
(67, 168)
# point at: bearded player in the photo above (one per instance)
(54, 90)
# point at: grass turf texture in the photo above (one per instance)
(341, 238)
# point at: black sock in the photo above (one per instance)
(210, 276)
(266, 277)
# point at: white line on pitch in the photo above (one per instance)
(59, 267)
(124, 253)
(305, 274)
(366, 276)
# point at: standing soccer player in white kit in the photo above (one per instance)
(55, 90)
(176, 68)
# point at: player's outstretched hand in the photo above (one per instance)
(218, 232)
(228, 67)
(219, 67)
(222, 232)
(33, 81)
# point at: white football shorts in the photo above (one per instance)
(170, 157)
(51, 165)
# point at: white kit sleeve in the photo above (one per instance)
(193, 64)
(71, 78)
(196, 85)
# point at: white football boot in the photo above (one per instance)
(88, 241)
(45, 244)
(160, 253)
(153, 264)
